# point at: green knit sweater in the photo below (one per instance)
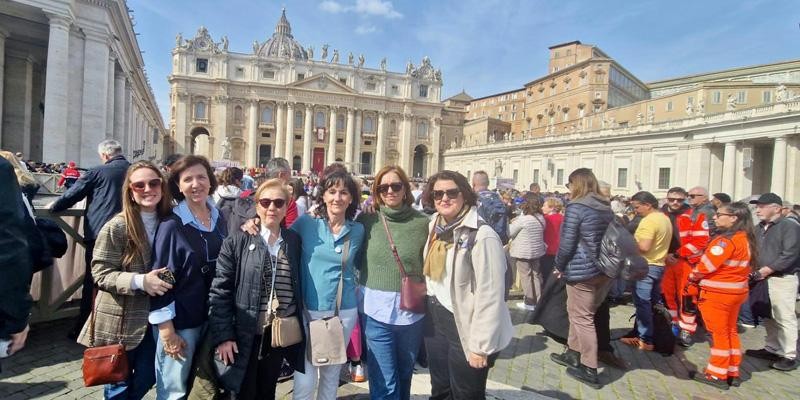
(409, 228)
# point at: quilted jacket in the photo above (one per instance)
(585, 222)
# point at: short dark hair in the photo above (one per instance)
(531, 204)
(331, 180)
(171, 159)
(470, 198)
(645, 198)
(183, 164)
(679, 190)
(723, 197)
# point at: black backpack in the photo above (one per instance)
(619, 254)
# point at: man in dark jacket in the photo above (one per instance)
(778, 250)
(101, 186)
(15, 263)
(245, 207)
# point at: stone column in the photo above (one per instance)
(380, 151)
(331, 156)
(729, 169)
(280, 128)
(95, 96)
(307, 135)
(56, 90)
(405, 144)
(3, 36)
(348, 140)
(357, 143)
(17, 111)
(435, 135)
(252, 135)
(110, 96)
(289, 150)
(126, 123)
(119, 107)
(778, 185)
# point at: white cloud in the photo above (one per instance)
(366, 29)
(331, 7)
(380, 8)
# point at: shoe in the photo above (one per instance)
(630, 341)
(569, 358)
(747, 325)
(611, 359)
(526, 307)
(287, 372)
(710, 380)
(646, 346)
(586, 375)
(785, 364)
(734, 381)
(685, 339)
(763, 354)
(357, 373)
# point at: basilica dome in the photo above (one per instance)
(282, 44)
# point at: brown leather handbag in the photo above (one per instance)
(413, 289)
(105, 364)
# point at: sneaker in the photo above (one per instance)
(763, 354)
(357, 373)
(710, 380)
(747, 325)
(685, 339)
(785, 364)
(569, 358)
(586, 375)
(526, 307)
(734, 381)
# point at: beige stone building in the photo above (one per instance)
(282, 101)
(734, 131)
(71, 76)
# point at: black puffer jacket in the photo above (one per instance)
(585, 222)
(234, 301)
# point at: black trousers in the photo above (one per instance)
(602, 319)
(451, 376)
(87, 294)
(261, 377)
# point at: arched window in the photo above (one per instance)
(298, 120)
(393, 126)
(319, 119)
(422, 130)
(368, 125)
(340, 123)
(266, 115)
(200, 110)
(238, 115)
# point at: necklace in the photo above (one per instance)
(204, 221)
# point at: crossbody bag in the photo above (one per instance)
(326, 335)
(413, 289)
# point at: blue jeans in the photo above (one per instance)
(392, 353)
(172, 375)
(142, 376)
(746, 314)
(646, 294)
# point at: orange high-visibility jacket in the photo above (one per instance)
(693, 229)
(725, 265)
(68, 173)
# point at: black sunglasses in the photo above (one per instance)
(279, 203)
(139, 186)
(451, 193)
(696, 195)
(395, 186)
(674, 200)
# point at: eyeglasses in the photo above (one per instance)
(279, 203)
(697, 195)
(140, 186)
(395, 186)
(675, 200)
(719, 214)
(451, 193)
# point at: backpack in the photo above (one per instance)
(663, 338)
(494, 212)
(619, 254)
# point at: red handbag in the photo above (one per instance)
(105, 364)
(413, 289)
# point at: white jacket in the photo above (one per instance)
(527, 232)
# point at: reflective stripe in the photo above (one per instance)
(735, 263)
(699, 233)
(720, 352)
(692, 247)
(736, 352)
(689, 319)
(709, 265)
(723, 285)
(688, 327)
(683, 234)
(733, 368)
(673, 313)
(718, 370)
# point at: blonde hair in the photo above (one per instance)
(24, 177)
(274, 183)
(134, 227)
(555, 203)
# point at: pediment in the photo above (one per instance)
(322, 82)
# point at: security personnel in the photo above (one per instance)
(722, 277)
(69, 175)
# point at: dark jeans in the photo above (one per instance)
(746, 314)
(142, 366)
(261, 376)
(390, 361)
(646, 294)
(451, 376)
(602, 319)
(87, 294)
(546, 267)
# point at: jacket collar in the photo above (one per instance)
(471, 220)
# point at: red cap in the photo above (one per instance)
(71, 164)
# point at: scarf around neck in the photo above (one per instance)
(441, 241)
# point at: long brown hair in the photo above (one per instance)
(744, 223)
(582, 182)
(134, 227)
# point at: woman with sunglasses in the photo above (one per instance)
(722, 275)
(465, 274)
(393, 335)
(332, 241)
(187, 244)
(253, 272)
(121, 257)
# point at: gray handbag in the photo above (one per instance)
(326, 335)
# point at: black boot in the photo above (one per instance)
(569, 358)
(586, 375)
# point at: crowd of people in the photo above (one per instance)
(219, 283)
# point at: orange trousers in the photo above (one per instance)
(720, 312)
(676, 276)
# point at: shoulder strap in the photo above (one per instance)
(345, 253)
(392, 245)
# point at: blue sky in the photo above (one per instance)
(488, 46)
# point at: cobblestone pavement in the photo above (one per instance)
(50, 367)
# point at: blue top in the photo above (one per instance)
(384, 307)
(321, 262)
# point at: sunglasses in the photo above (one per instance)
(279, 203)
(719, 214)
(395, 186)
(451, 193)
(674, 200)
(140, 186)
(697, 195)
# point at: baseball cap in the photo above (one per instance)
(768, 198)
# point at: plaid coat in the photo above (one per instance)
(115, 290)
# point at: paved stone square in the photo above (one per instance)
(50, 368)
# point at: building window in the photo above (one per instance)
(300, 77)
(513, 116)
(566, 115)
(238, 115)
(298, 120)
(716, 97)
(395, 89)
(663, 178)
(393, 127)
(536, 176)
(343, 81)
(597, 108)
(266, 115)
(581, 112)
(515, 175)
(422, 130)
(200, 110)
(669, 106)
(340, 123)
(766, 96)
(559, 176)
(201, 65)
(622, 177)
(239, 72)
(368, 125)
(319, 119)
(741, 97)
(268, 74)
(371, 87)
(423, 91)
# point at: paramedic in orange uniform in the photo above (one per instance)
(722, 275)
